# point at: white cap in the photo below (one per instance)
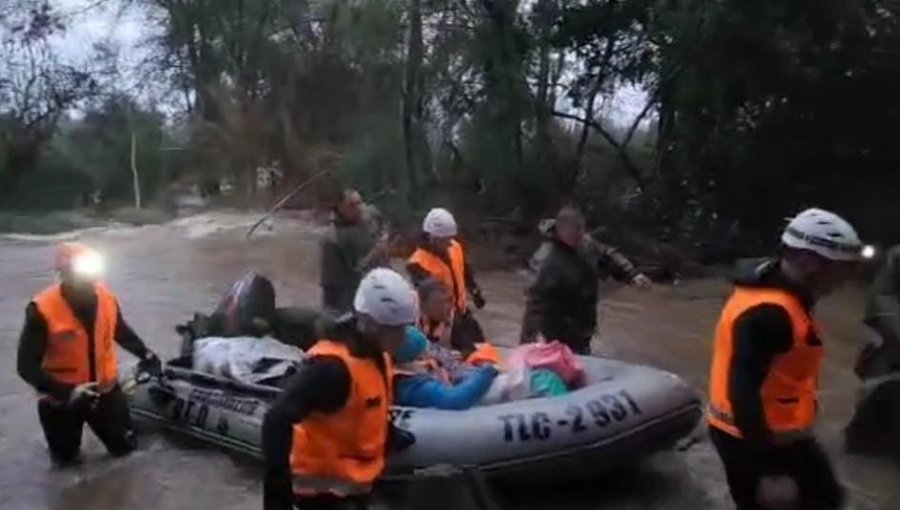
(386, 297)
(823, 233)
(439, 223)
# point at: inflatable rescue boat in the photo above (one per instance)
(623, 412)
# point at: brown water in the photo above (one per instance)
(163, 274)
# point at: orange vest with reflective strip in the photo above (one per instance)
(453, 275)
(68, 355)
(789, 390)
(344, 452)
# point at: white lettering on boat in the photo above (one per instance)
(240, 405)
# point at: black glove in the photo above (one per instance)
(478, 299)
(150, 364)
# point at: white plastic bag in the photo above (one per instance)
(514, 383)
(245, 359)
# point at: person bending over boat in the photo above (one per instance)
(422, 381)
(767, 356)
(67, 352)
(324, 440)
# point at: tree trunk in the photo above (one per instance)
(412, 97)
(629, 165)
(136, 178)
(542, 116)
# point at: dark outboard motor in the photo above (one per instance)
(297, 326)
(248, 308)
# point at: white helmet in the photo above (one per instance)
(824, 233)
(387, 298)
(439, 223)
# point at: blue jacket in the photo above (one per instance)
(422, 390)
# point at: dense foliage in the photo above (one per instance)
(751, 109)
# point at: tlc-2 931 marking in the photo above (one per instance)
(599, 412)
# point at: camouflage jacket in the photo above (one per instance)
(345, 249)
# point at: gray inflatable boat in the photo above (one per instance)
(624, 412)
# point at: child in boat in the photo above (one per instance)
(421, 381)
(442, 326)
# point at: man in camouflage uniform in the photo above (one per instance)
(355, 244)
(562, 301)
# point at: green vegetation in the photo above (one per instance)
(496, 107)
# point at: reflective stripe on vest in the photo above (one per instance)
(789, 391)
(453, 276)
(725, 422)
(67, 357)
(344, 452)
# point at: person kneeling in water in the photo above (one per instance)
(67, 353)
(333, 415)
(421, 381)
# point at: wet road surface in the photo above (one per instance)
(164, 273)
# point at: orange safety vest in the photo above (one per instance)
(453, 275)
(789, 391)
(68, 354)
(344, 452)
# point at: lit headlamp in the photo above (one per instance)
(868, 252)
(88, 265)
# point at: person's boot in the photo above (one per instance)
(63, 461)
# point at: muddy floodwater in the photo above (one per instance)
(164, 273)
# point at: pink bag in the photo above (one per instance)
(556, 357)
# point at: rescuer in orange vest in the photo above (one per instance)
(67, 352)
(324, 440)
(441, 257)
(767, 356)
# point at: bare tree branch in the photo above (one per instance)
(620, 150)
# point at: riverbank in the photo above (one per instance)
(60, 222)
(491, 245)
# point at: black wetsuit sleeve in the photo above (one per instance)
(323, 385)
(417, 273)
(760, 334)
(32, 346)
(128, 339)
